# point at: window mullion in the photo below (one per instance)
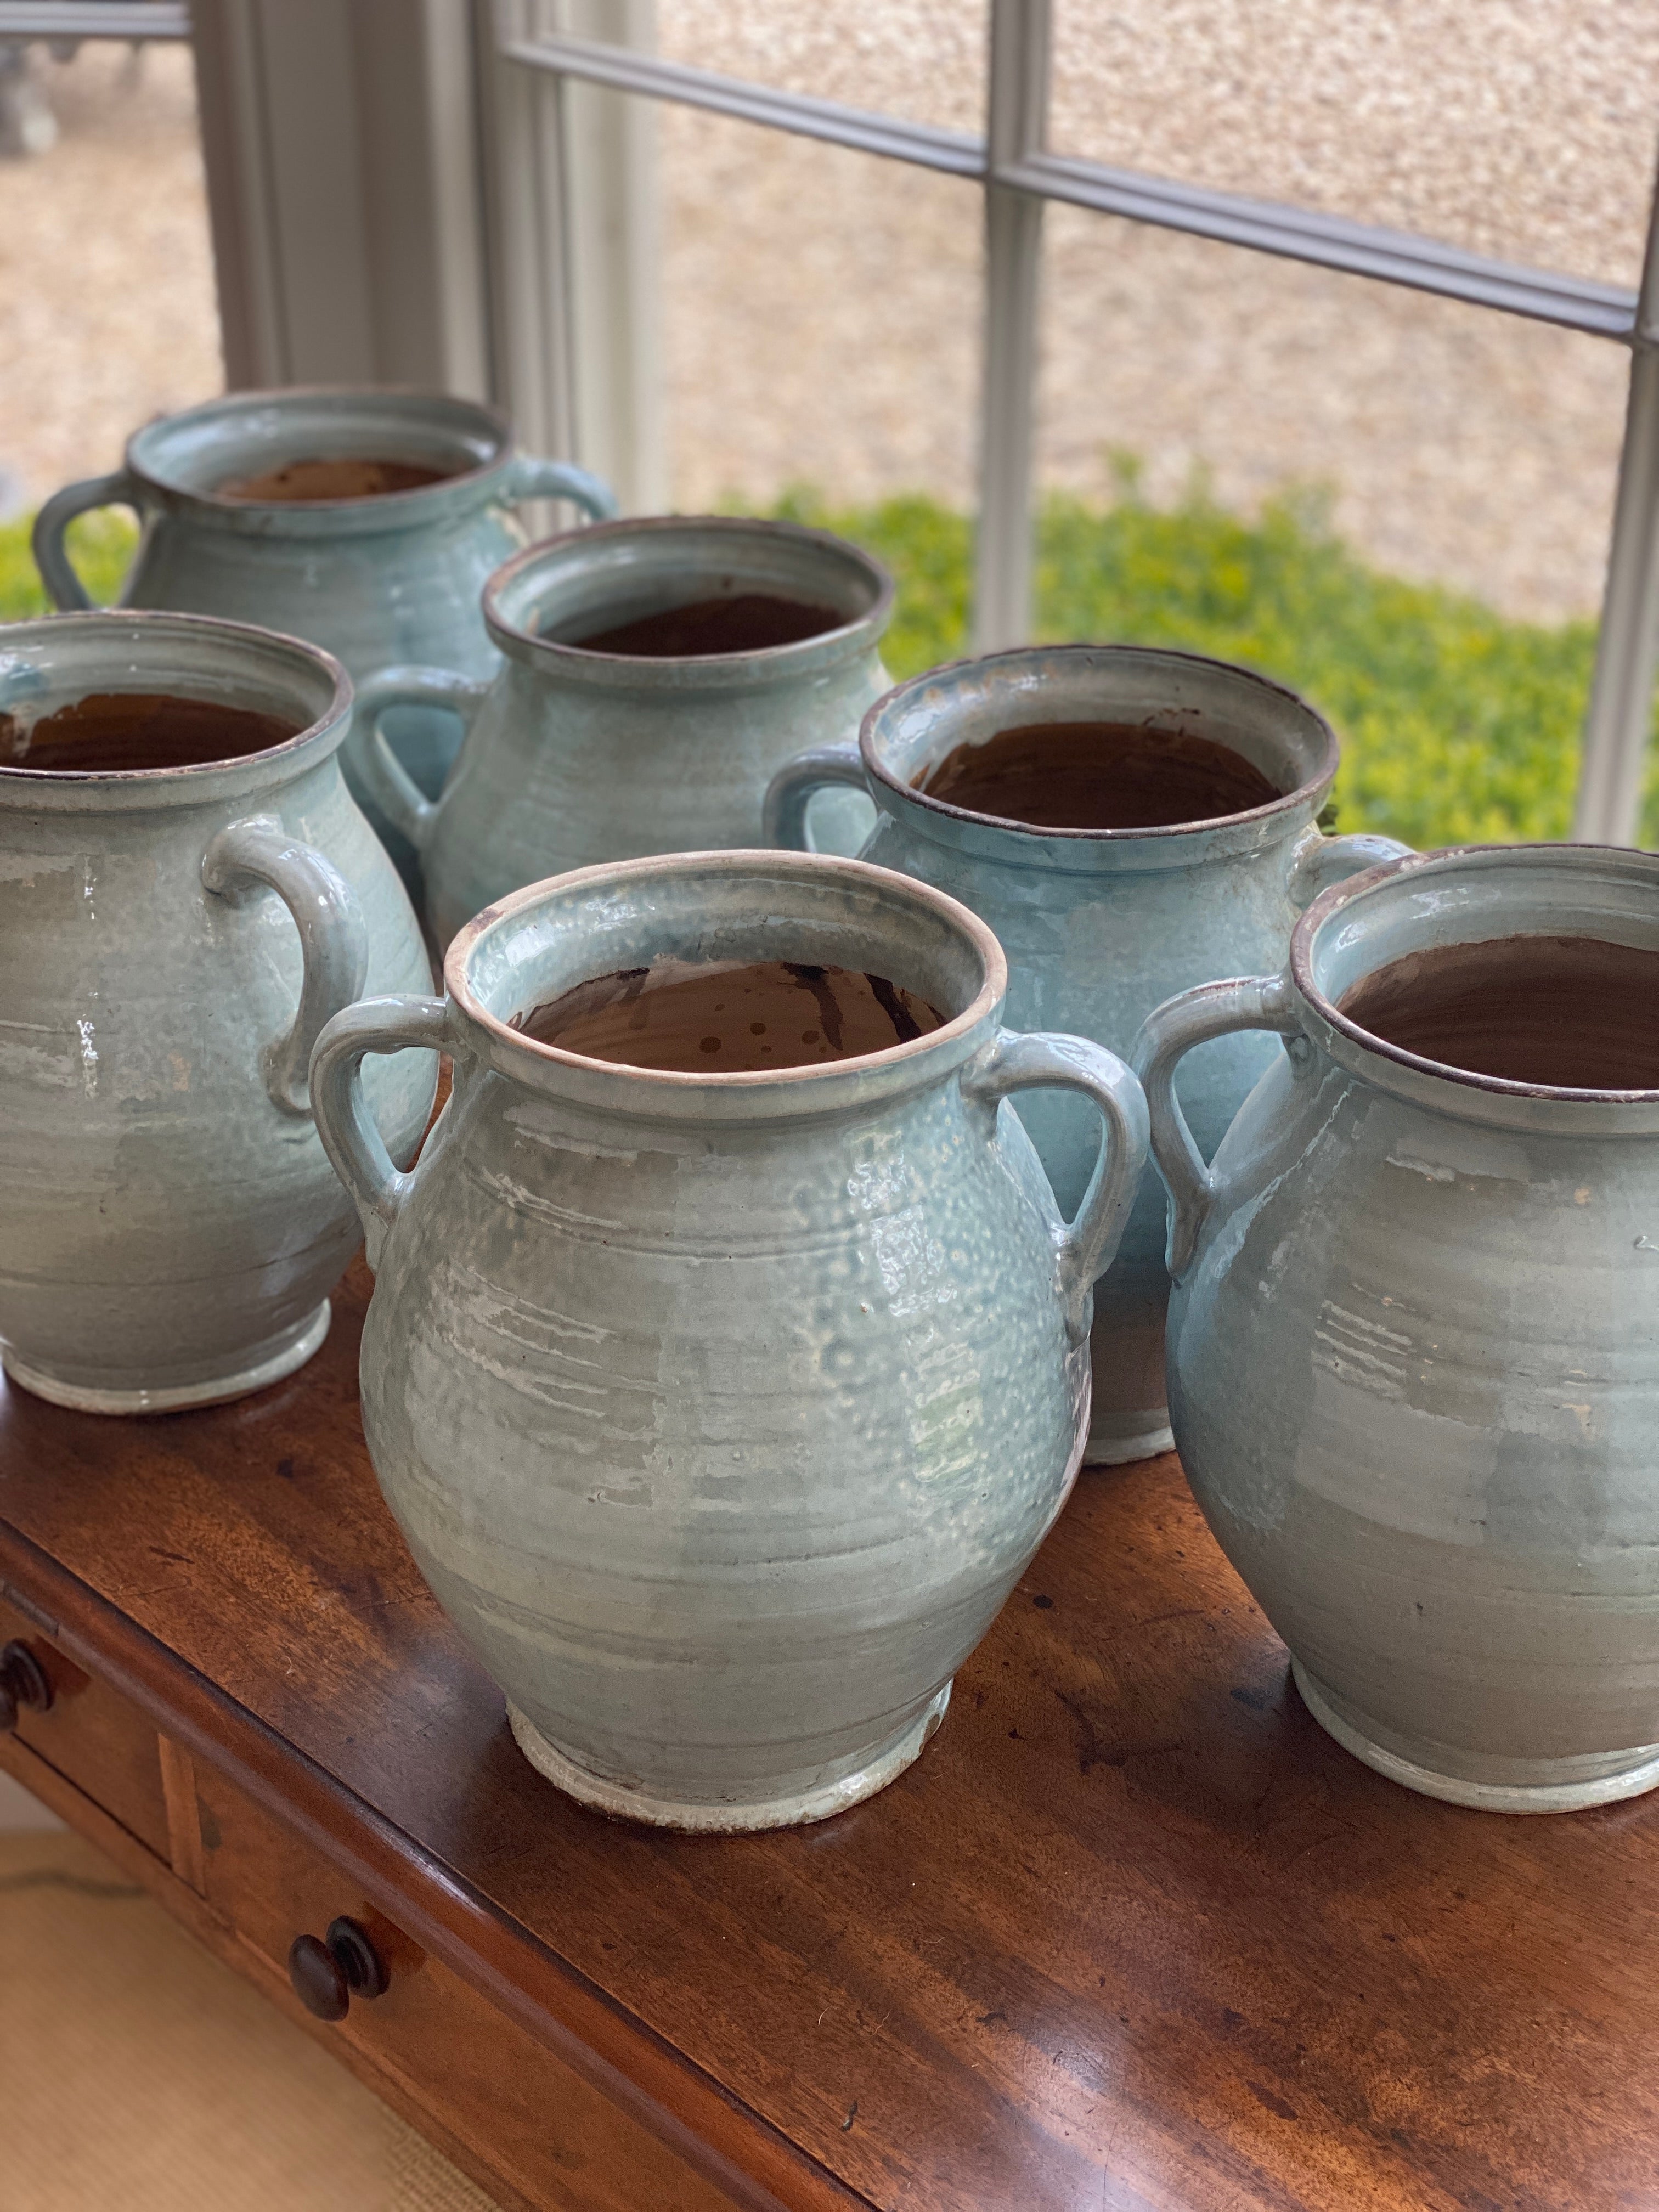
(1019, 102)
(1609, 806)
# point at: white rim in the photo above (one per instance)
(1482, 1796)
(699, 1817)
(748, 860)
(80, 1397)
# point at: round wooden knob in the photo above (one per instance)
(23, 1681)
(327, 1972)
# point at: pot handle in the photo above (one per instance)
(1019, 1060)
(1167, 1035)
(1318, 862)
(258, 854)
(783, 814)
(64, 587)
(400, 798)
(345, 1123)
(534, 479)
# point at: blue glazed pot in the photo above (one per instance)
(175, 940)
(1099, 925)
(374, 581)
(1414, 1349)
(722, 1412)
(574, 756)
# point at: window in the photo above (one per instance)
(106, 306)
(1518, 185)
(1448, 209)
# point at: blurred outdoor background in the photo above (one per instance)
(1397, 503)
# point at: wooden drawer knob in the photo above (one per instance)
(22, 1683)
(327, 1974)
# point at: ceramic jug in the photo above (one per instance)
(1101, 925)
(722, 1412)
(372, 579)
(175, 938)
(1413, 1348)
(573, 756)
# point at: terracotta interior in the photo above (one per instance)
(743, 622)
(1098, 775)
(347, 477)
(114, 733)
(729, 1017)
(1577, 1011)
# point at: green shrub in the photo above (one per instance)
(930, 550)
(1458, 725)
(99, 544)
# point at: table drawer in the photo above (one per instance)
(93, 1738)
(525, 2116)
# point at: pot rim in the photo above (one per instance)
(260, 513)
(1331, 902)
(705, 671)
(1309, 789)
(795, 1086)
(58, 788)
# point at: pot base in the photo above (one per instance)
(1638, 1771)
(281, 1357)
(1149, 1435)
(701, 1817)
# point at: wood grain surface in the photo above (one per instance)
(1132, 1932)
(89, 1730)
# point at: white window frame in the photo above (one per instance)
(463, 192)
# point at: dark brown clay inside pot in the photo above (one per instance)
(743, 621)
(344, 478)
(114, 733)
(730, 1018)
(1098, 775)
(1576, 1011)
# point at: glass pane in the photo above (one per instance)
(920, 58)
(107, 314)
(1398, 504)
(821, 327)
(1525, 132)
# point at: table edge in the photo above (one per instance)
(624, 2058)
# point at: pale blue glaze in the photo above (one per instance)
(169, 1224)
(373, 582)
(577, 756)
(723, 1411)
(1414, 1351)
(1099, 926)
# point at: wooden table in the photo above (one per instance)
(1131, 1933)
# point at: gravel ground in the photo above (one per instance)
(106, 304)
(822, 306)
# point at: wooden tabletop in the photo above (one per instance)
(1132, 1932)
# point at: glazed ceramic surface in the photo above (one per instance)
(1413, 1350)
(722, 1412)
(175, 940)
(1100, 926)
(395, 578)
(573, 758)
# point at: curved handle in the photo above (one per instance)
(1318, 862)
(1014, 1060)
(64, 587)
(344, 1122)
(783, 813)
(249, 857)
(396, 792)
(1169, 1032)
(534, 479)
